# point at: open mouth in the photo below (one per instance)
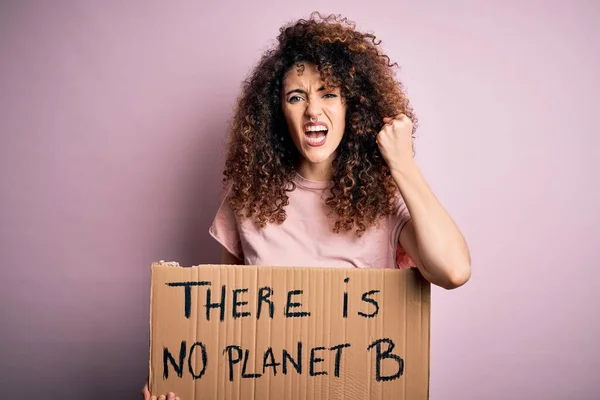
(315, 135)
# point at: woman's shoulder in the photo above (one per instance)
(225, 227)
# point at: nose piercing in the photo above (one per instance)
(312, 119)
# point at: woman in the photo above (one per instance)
(320, 168)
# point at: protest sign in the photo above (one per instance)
(256, 332)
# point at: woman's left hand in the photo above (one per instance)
(395, 140)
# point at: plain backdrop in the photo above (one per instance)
(113, 117)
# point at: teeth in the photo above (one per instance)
(315, 128)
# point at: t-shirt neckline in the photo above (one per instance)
(310, 184)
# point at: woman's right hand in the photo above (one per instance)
(148, 396)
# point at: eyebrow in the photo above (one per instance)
(303, 91)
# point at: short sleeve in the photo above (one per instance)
(225, 230)
(401, 259)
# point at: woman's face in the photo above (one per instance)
(315, 115)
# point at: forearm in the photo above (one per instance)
(441, 247)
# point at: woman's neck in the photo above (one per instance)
(316, 172)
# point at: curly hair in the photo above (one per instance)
(261, 158)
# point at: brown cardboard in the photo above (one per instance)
(403, 317)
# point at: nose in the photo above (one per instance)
(313, 110)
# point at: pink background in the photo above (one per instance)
(112, 121)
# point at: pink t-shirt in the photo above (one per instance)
(305, 237)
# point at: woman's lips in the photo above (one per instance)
(315, 133)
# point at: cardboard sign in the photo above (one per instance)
(254, 332)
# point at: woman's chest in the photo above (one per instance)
(306, 239)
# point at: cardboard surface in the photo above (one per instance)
(248, 332)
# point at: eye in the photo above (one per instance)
(294, 99)
(330, 95)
